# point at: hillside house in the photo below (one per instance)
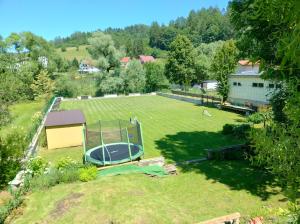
(146, 58)
(86, 66)
(247, 87)
(124, 61)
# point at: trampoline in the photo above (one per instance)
(113, 142)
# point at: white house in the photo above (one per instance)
(87, 67)
(209, 84)
(247, 87)
(43, 61)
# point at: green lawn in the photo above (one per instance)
(198, 193)
(177, 130)
(71, 53)
(21, 115)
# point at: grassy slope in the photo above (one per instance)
(198, 193)
(21, 114)
(174, 129)
(72, 53)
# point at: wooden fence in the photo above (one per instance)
(205, 99)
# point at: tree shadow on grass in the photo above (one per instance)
(238, 175)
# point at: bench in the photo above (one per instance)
(222, 153)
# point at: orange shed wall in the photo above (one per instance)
(64, 136)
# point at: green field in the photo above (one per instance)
(174, 129)
(71, 53)
(21, 115)
(178, 131)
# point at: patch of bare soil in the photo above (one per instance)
(65, 204)
(5, 197)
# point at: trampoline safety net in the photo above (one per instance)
(112, 142)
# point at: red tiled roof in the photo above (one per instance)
(125, 60)
(146, 58)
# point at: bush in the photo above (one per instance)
(37, 166)
(241, 131)
(66, 163)
(255, 118)
(11, 153)
(228, 129)
(88, 173)
(45, 181)
(237, 130)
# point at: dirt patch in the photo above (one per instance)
(5, 197)
(65, 204)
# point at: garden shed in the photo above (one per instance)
(64, 128)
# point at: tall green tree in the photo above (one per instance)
(180, 66)
(155, 77)
(134, 77)
(274, 27)
(224, 64)
(42, 86)
(103, 50)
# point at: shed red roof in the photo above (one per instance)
(125, 60)
(146, 58)
(61, 118)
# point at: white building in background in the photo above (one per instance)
(209, 84)
(87, 67)
(247, 87)
(43, 61)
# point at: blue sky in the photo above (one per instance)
(51, 18)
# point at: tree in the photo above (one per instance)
(155, 77)
(274, 27)
(205, 54)
(103, 50)
(134, 77)
(180, 67)
(224, 64)
(75, 63)
(11, 153)
(43, 86)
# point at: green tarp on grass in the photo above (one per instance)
(153, 170)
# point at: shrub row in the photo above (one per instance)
(237, 130)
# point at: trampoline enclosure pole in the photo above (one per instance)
(84, 141)
(141, 135)
(102, 143)
(129, 150)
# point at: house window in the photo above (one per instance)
(234, 83)
(254, 84)
(261, 85)
(271, 85)
(239, 84)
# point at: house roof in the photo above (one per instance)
(61, 118)
(146, 58)
(125, 60)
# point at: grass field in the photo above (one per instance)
(178, 131)
(199, 192)
(174, 129)
(21, 115)
(71, 53)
